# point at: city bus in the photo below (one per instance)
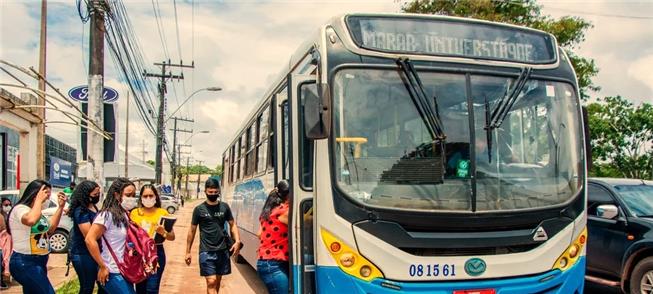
(426, 154)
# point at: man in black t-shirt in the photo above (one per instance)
(211, 216)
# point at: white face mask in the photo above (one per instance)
(6, 209)
(148, 202)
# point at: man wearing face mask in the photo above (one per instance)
(215, 249)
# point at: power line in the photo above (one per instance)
(128, 58)
(160, 29)
(518, 2)
(174, 2)
(183, 82)
(601, 14)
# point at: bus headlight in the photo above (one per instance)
(571, 254)
(349, 260)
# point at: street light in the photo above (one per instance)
(212, 89)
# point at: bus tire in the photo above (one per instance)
(641, 275)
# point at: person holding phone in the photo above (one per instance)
(147, 215)
(30, 231)
(211, 216)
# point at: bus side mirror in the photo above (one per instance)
(317, 111)
(588, 145)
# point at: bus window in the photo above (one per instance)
(232, 162)
(285, 140)
(308, 254)
(261, 149)
(305, 145)
(238, 161)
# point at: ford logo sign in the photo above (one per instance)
(80, 93)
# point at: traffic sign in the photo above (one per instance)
(80, 93)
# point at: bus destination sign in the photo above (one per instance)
(452, 38)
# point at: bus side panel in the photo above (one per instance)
(246, 201)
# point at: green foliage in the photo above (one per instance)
(568, 30)
(151, 162)
(70, 287)
(621, 137)
(196, 169)
(217, 171)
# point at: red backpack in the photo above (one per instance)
(139, 260)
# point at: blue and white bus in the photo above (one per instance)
(426, 154)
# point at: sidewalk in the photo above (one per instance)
(180, 278)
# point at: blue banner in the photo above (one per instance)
(60, 172)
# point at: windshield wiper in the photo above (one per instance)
(418, 96)
(503, 107)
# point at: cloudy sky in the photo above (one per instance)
(241, 46)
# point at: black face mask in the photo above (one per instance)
(94, 200)
(212, 197)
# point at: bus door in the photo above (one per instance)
(301, 223)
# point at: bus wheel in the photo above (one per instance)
(641, 279)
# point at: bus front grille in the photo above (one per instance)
(469, 251)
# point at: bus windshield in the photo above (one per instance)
(385, 157)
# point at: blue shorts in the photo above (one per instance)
(215, 263)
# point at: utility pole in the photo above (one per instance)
(95, 142)
(173, 166)
(187, 175)
(199, 173)
(127, 139)
(179, 164)
(160, 130)
(144, 152)
(40, 134)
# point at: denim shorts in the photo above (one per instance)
(215, 263)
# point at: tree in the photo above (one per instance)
(568, 30)
(196, 169)
(622, 138)
(217, 171)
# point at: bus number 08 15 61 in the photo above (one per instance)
(432, 270)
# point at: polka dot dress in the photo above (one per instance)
(274, 236)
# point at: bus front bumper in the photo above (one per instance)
(334, 280)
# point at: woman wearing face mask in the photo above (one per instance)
(110, 225)
(29, 231)
(148, 216)
(83, 210)
(5, 244)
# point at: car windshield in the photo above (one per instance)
(385, 157)
(638, 198)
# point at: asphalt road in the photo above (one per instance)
(592, 288)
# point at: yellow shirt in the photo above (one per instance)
(147, 221)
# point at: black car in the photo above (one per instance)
(620, 225)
